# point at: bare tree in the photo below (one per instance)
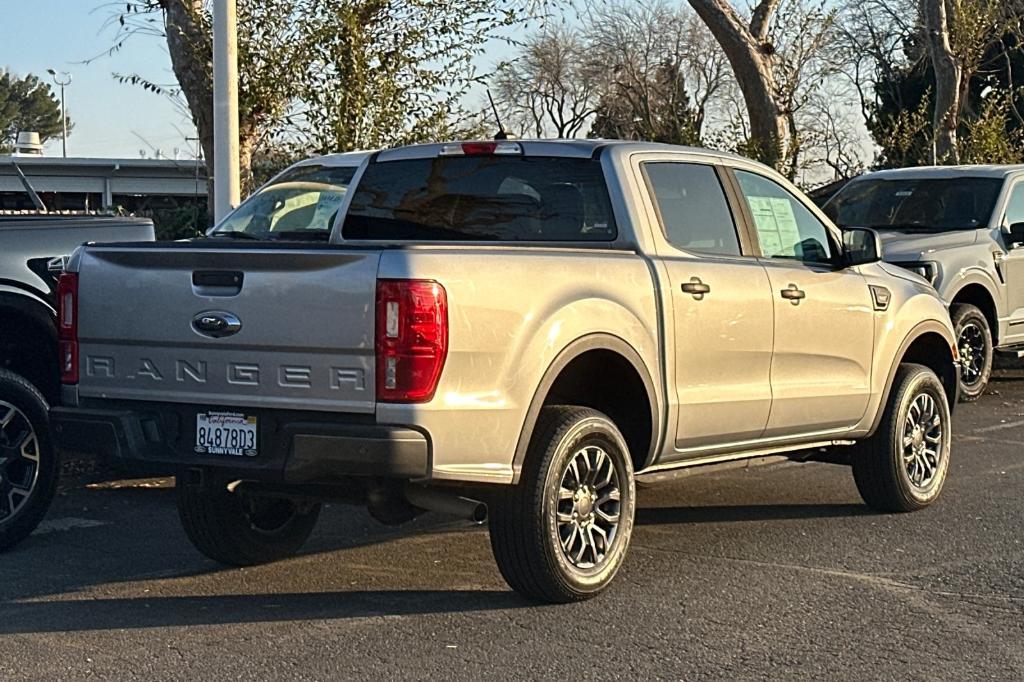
(548, 88)
(870, 36)
(660, 70)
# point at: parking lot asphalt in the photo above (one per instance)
(766, 572)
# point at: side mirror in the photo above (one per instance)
(861, 246)
(1016, 234)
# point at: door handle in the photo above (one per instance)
(793, 294)
(696, 288)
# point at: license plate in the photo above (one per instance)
(225, 433)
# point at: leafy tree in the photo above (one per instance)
(27, 104)
(989, 101)
(326, 75)
(389, 72)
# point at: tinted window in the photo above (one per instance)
(921, 204)
(785, 227)
(694, 211)
(469, 198)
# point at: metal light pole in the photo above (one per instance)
(62, 78)
(225, 108)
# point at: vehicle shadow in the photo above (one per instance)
(47, 584)
(75, 615)
(125, 535)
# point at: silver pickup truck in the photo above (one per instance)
(534, 325)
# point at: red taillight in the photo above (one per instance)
(412, 339)
(67, 326)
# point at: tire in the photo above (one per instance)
(974, 341)
(239, 529)
(29, 464)
(885, 478)
(530, 523)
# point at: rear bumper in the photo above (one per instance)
(295, 448)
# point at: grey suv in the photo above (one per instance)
(962, 229)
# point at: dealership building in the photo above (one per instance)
(87, 184)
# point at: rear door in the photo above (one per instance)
(824, 317)
(217, 325)
(721, 309)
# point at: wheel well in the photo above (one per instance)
(933, 351)
(978, 296)
(607, 382)
(28, 346)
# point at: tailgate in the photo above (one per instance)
(281, 328)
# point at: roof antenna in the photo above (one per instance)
(502, 135)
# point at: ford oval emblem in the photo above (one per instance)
(216, 323)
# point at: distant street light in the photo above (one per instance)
(62, 78)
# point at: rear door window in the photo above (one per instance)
(481, 198)
(692, 206)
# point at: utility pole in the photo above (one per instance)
(62, 78)
(226, 193)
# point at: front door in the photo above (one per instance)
(1013, 269)
(721, 311)
(824, 317)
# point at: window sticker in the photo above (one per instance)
(327, 206)
(776, 226)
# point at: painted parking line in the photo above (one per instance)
(66, 524)
(999, 427)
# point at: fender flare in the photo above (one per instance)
(982, 279)
(584, 344)
(922, 328)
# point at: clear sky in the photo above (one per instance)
(109, 117)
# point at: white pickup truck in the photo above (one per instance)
(531, 325)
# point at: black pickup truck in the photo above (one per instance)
(32, 251)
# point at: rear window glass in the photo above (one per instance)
(481, 198)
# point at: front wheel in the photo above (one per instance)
(29, 466)
(974, 343)
(903, 466)
(241, 529)
(561, 534)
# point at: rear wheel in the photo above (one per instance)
(29, 466)
(241, 529)
(561, 534)
(903, 466)
(974, 343)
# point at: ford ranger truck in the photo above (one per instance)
(961, 228)
(534, 326)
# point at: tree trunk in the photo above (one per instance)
(936, 16)
(190, 43)
(751, 64)
(190, 46)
